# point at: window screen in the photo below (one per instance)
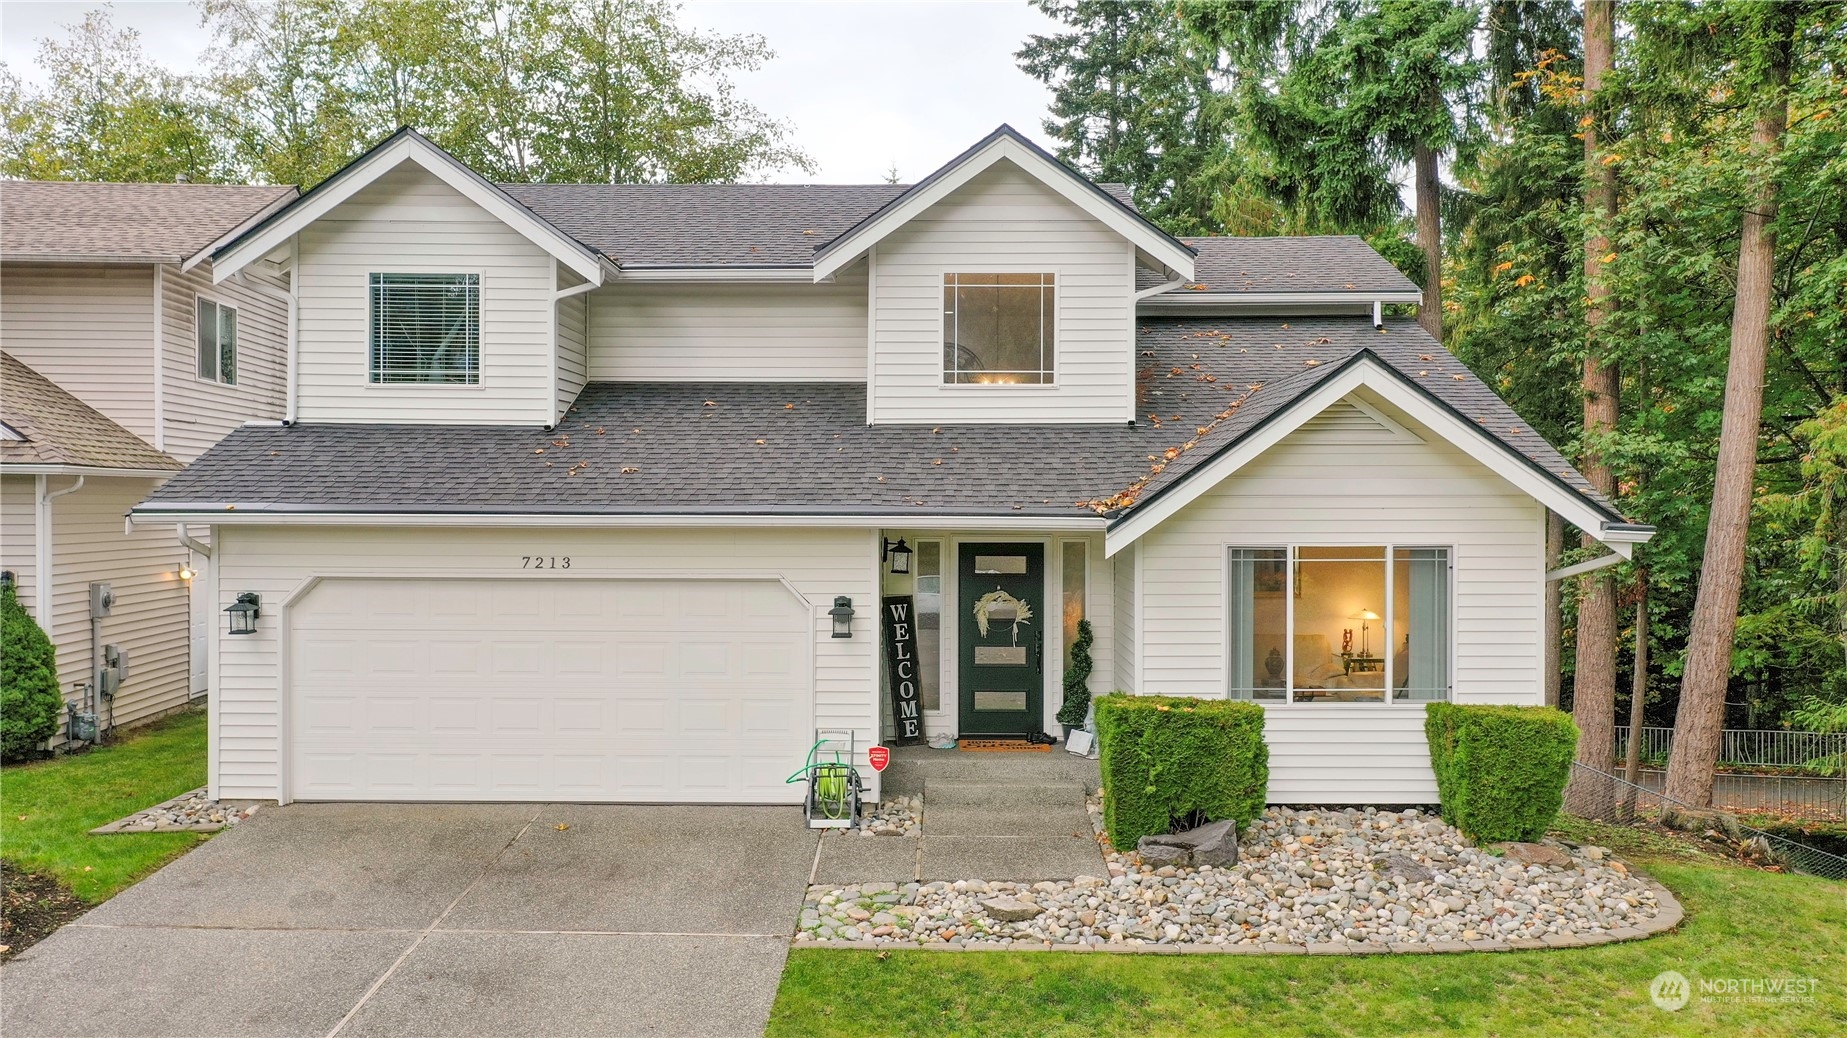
(426, 328)
(217, 342)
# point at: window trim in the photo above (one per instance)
(481, 280)
(199, 299)
(1058, 326)
(1389, 700)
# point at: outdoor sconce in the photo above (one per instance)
(900, 556)
(186, 572)
(244, 613)
(843, 617)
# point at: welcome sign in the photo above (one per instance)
(900, 626)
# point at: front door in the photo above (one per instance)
(1001, 591)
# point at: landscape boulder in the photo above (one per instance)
(1010, 910)
(1214, 844)
(1536, 854)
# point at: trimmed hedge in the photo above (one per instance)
(30, 706)
(1501, 770)
(1165, 757)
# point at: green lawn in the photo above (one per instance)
(1741, 924)
(48, 808)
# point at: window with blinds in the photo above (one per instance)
(217, 341)
(426, 328)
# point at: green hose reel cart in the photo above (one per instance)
(833, 783)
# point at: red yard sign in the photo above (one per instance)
(879, 756)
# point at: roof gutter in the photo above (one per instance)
(258, 514)
(803, 274)
(1208, 299)
(34, 469)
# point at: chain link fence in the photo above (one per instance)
(1605, 797)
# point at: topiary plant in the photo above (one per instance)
(29, 700)
(1501, 770)
(1077, 680)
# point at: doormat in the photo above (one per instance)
(1002, 746)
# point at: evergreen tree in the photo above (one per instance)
(1133, 102)
(29, 701)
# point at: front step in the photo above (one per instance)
(912, 768)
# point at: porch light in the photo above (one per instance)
(186, 572)
(900, 556)
(244, 613)
(842, 614)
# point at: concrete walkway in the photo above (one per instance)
(1015, 817)
(404, 920)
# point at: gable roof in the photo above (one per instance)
(755, 451)
(1247, 268)
(56, 430)
(124, 223)
(406, 145)
(1008, 144)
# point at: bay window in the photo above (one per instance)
(1360, 624)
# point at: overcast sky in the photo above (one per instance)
(865, 84)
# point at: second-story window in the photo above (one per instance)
(998, 329)
(217, 339)
(426, 328)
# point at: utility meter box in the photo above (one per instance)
(114, 670)
(102, 600)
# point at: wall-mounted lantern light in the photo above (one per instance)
(899, 554)
(186, 572)
(244, 613)
(843, 617)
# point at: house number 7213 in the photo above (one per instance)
(544, 562)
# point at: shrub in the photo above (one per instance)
(1501, 770)
(1165, 757)
(1077, 679)
(29, 700)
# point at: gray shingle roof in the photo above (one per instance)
(710, 225)
(804, 448)
(59, 429)
(150, 223)
(1325, 263)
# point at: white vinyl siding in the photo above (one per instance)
(19, 535)
(275, 561)
(645, 332)
(198, 413)
(1125, 647)
(90, 329)
(1325, 485)
(408, 222)
(1004, 221)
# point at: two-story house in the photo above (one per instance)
(609, 493)
(122, 359)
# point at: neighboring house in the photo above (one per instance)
(582, 480)
(122, 362)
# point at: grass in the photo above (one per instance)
(48, 808)
(1741, 923)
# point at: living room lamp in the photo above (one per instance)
(1365, 617)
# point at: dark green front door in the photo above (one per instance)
(1002, 670)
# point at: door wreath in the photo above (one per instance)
(1022, 613)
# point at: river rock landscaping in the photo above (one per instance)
(1340, 879)
(189, 812)
(895, 816)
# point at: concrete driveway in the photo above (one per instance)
(468, 919)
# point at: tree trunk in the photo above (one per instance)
(1699, 722)
(1593, 696)
(1638, 700)
(1554, 609)
(1430, 239)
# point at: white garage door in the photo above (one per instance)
(683, 691)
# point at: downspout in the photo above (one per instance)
(44, 593)
(160, 380)
(1588, 566)
(187, 541)
(1378, 314)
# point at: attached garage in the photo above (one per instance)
(548, 688)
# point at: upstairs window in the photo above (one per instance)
(217, 339)
(426, 328)
(998, 329)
